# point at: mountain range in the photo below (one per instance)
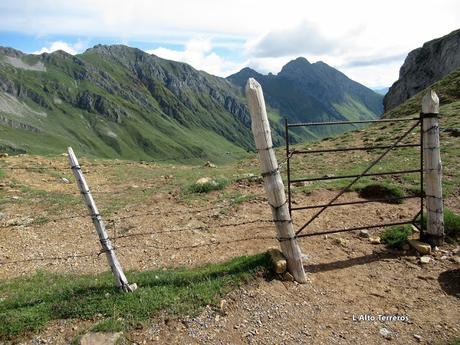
(120, 102)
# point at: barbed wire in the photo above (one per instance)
(152, 212)
(112, 220)
(49, 258)
(214, 242)
(205, 228)
(122, 162)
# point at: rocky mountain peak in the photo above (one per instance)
(296, 67)
(7, 51)
(423, 67)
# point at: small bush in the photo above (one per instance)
(207, 187)
(396, 236)
(451, 225)
(382, 191)
(109, 325)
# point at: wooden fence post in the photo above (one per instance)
(273, 183)
(434, 233)
(115, 266)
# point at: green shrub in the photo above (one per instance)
(109, 325)
(381, 191)
(451, 225)
(396, 236)
(207, 187)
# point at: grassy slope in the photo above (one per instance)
(27, 304)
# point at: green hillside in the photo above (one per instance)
(115, 101)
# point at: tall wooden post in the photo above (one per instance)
(273, 183)
(115, 266)
(434, 233)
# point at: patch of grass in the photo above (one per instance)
(239, 199)
(396, 236)
(109, 325)
(55, 200)
(380, 139)
(29, 303)
(40, 220)
(451, 225)
(455, 342)
(214, 184)
(381, 191)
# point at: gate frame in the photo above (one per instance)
(323, 207)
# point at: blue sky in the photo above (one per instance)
(367, 40)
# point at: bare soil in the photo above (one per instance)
(348, 276)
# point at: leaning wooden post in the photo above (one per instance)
(273, 183)
(115, 266)
(434, 233)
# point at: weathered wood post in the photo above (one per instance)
(273, 183)
(115, 266)
(434, 233)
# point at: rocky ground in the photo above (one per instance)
(349, 278)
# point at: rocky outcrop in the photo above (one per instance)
(423, 67)
(96, 103)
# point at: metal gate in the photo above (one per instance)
(396, 145)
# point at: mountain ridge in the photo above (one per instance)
(316, 92)
(117, 101)
(126, 89)
(424, 66)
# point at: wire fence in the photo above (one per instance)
(212, 242)
(112, 222)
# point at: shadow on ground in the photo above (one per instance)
(361, 260)
(450, 282)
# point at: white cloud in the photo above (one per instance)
(198, 53)
(60, 45)
(375, 76)
(336, 31)
(302, 39)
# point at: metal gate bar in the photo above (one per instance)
(357, 202)
(325, 232)
(326, 123)
(399, 172)
(362, 148)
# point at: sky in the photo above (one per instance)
(365, 39)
